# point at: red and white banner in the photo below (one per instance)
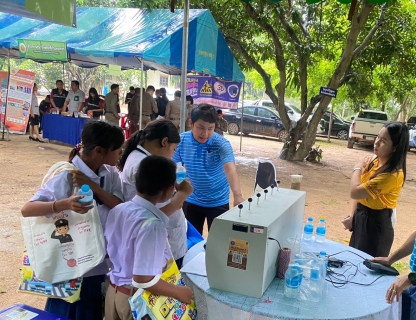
(19, 98)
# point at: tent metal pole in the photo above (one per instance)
(242, 116)
(141, 95)
(184, 64)
(7, 94)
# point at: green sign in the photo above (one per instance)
(42, 50)
(114, 70)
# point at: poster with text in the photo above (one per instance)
(4, 76)
(19, 98)
(211, 90)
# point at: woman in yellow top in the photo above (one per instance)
(375, 186)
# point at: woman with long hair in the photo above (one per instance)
(95, 104)
(375, 187)
(160, 137)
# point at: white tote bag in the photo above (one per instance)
(65, 245)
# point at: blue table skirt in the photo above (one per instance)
(19, 309)
(64, 129)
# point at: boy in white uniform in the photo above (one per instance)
(140, 252)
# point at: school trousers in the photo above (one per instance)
(372, 231)
(196, 215)
(117, 305)
(409, 303)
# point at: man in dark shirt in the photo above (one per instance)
(58, 96)
(129, 96)
(162, 102)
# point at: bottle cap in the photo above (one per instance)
(322, 219)
(85, 188)
(322, 253)
(310, 219)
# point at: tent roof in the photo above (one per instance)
(124, 36)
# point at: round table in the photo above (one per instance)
(349, 302)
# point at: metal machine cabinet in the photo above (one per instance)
(240, 257)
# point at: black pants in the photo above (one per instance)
(372, 231)
(196, 214)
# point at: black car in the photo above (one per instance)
(257, 120)
(340, 127)
(411, 122)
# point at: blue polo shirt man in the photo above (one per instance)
(209, 161)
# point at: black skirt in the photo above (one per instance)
(35, 120)
(372, 231)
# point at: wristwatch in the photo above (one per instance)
(412, 278)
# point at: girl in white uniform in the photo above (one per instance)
(160, 137)
(95, 159)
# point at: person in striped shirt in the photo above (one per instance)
(209, 161)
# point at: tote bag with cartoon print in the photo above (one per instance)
(65, 245)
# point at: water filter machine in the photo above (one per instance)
(240, 256)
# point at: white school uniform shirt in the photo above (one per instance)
(61, 187)
(134, 249)
(74, 98)
(177, 222)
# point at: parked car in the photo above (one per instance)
(340, 127)
(257, 120)
(366, 126)
(293, 112)
(411, 122)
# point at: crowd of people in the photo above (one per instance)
(155, 104)
(135, 180)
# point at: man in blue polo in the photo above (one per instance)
(210, 165)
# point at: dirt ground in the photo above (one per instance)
(23, 164)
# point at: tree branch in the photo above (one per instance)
(372, 32)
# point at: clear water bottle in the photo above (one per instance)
(293, 279)
(180, 172)
(324, 257)
(320, 231)
(87, 194)
(315, 285)
(308, 229)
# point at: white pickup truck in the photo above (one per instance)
(366, 126)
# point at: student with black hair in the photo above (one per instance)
(34, 117)
(160, 137)
(375, 187)
(95, 159)
(58, 96)
(94, 104)
(210, 165)
(137, 240)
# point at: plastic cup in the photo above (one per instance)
(294, 245)
(295, 179)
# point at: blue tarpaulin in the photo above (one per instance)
(125, 36)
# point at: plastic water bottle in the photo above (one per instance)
(315, 285)
(180, 172)
(324, 257)
(87, 194)
(308, 229)
(293, 279)
(320, 231)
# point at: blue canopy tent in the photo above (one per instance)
(126, 37)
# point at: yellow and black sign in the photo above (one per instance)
(206, 88)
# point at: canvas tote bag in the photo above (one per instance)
(65, 245)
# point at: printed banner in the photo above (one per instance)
(19, 99)
(4, 76)
(219, 93)
(42, 50)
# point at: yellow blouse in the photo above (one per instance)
(384, 189)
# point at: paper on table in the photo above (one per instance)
(196, 265)
(18, 313)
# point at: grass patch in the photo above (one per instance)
(402, 267)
